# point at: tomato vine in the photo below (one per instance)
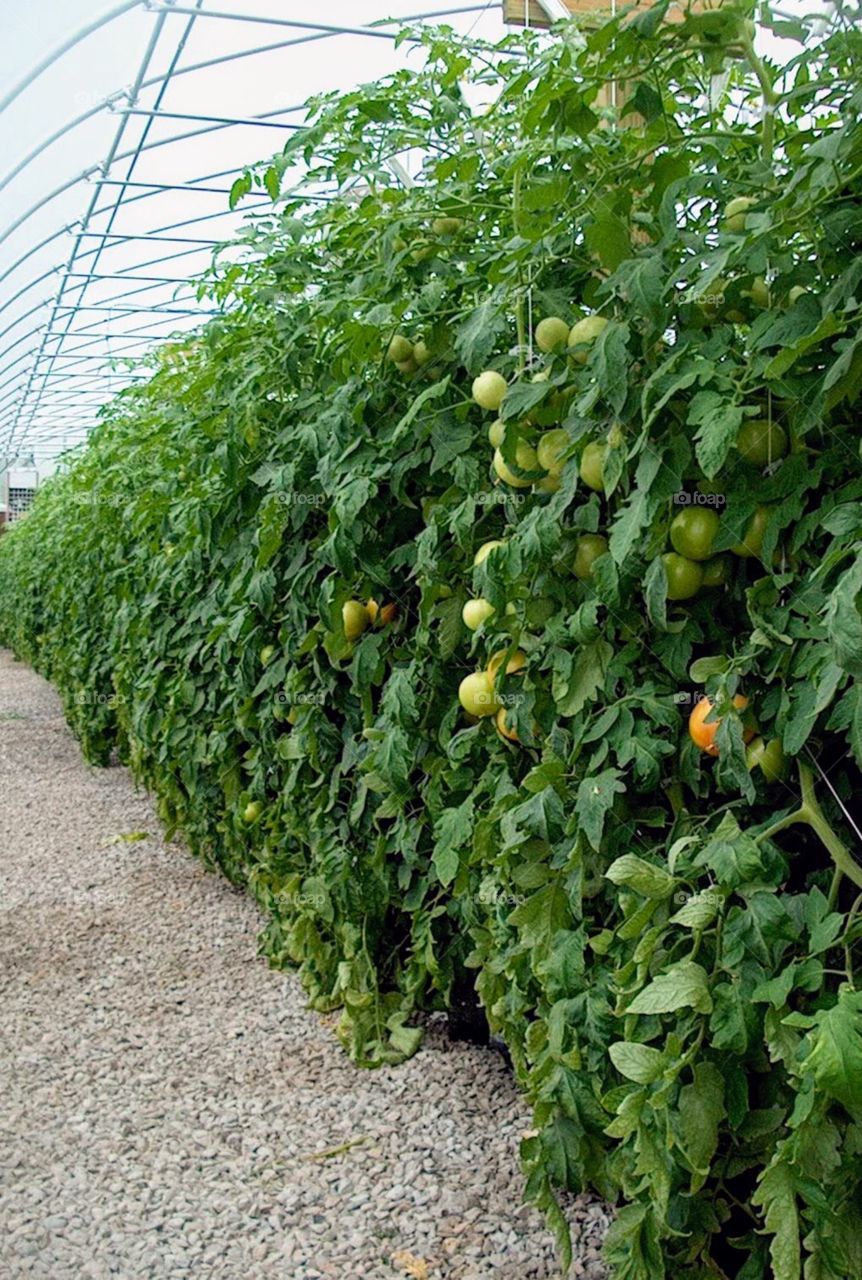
(260, 582)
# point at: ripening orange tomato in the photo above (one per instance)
(381, 615)
(702, 734)
(504, 730)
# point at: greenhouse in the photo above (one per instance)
(431, 640)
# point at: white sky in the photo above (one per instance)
(48, 391)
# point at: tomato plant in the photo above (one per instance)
(667, 945)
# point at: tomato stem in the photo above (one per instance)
(770, 98)
(811, 815)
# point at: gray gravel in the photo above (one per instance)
(165, 1097)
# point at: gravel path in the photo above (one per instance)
(165, 1097)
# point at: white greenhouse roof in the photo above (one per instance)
(121, 131)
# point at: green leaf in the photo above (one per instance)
(476, 335)
(610, 362)
(577, 684)
(240, 187)
(273, 521)
(608, 238)
(655, 593)
(776, 1194)
(638, 1062)
(452, 831)
(521, 397)
(718, 423)
(776, 990)
(544, 912)
(844, 620)
(835, 1059)
(642, 876)
(434, 392)
(780, 364)
(732, 856)
(683, 986)
(595, 797)
(728, 1026)
(701, 1110)
(843, 381)
(698, 912)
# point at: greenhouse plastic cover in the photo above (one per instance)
(122, 128)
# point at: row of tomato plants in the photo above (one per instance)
(481, 589)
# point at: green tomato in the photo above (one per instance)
(488, 389)
(761, 442)
(355, 619)
(400, 349)
(592, 466)
(693, 531)
(421, 354)
(551, 450)
(712, 303)
(476, 694)
(496, 431)
(773, 762)
(769, 757)
(684, 577)
(552, 332)
(252, 811)
(588, 549)
(525, 458)
(716, 571)
(752, 539)
(446, 226)
(475, 612)
(266, 654)
(760, 293)
(736, 211)
(584, 333)
(486, 549)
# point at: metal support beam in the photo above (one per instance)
(228, 121)
(149, 53)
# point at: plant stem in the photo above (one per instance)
(770, 99)
(837, 877)
(811, 815)
(816, 819)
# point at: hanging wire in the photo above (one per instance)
(529, 353)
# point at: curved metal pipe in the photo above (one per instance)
(52, 57)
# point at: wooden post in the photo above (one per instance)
(599, 10)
